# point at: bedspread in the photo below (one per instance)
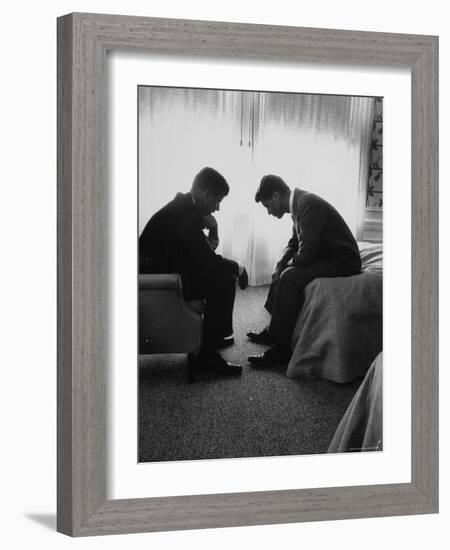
(361, 427)
(338, 332)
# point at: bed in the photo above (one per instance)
(361, 427)
(339, 331)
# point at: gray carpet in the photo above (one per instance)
(260, 413)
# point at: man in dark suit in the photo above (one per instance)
(321, 245)
(173, 241)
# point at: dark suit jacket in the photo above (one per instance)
(173, 242)
(319, 233)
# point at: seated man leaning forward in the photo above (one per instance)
(321, 245)
(173, 241)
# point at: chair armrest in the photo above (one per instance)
(160, 281)
(167, 323)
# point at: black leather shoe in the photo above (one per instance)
(214, 362)
(262, 337)
(225, 343)
(274, 356)
(243, 280)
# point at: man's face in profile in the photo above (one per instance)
(211, 202)
(273, 205)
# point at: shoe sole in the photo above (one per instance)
(262, 340)
(225, 344)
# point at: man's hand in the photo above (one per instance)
(243, 279)
(213, 241)
(210, 223)
(279, 268)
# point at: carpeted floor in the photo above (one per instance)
(260, 413)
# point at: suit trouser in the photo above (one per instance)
(286, 296)
(219, 297)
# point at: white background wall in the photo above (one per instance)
(28, 229)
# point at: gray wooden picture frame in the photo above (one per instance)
(83, 41)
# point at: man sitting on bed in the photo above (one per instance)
(173, 241)
(321, 245)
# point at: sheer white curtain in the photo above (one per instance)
(315, 142)
(180, 132)
(318, 143)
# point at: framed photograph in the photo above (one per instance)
(191, 371)
(328, 143)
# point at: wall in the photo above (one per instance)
(28, 228)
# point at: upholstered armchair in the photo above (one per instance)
(167, 323)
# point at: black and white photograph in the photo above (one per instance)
(260, 273)
(199, 360)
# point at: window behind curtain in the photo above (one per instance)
(319, 143)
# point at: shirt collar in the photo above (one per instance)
(291, 201)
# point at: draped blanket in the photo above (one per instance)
(339, 329)
(361, 427)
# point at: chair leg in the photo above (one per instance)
(191, 368)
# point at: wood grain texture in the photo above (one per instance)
(64, 296)
(424, 259)
(83, 199)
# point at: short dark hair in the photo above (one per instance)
(268, 185)
(208, 178)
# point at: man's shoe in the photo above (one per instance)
(274, 356)
(262, 337)
(214, 362)
(225, 343)
(243, 280)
